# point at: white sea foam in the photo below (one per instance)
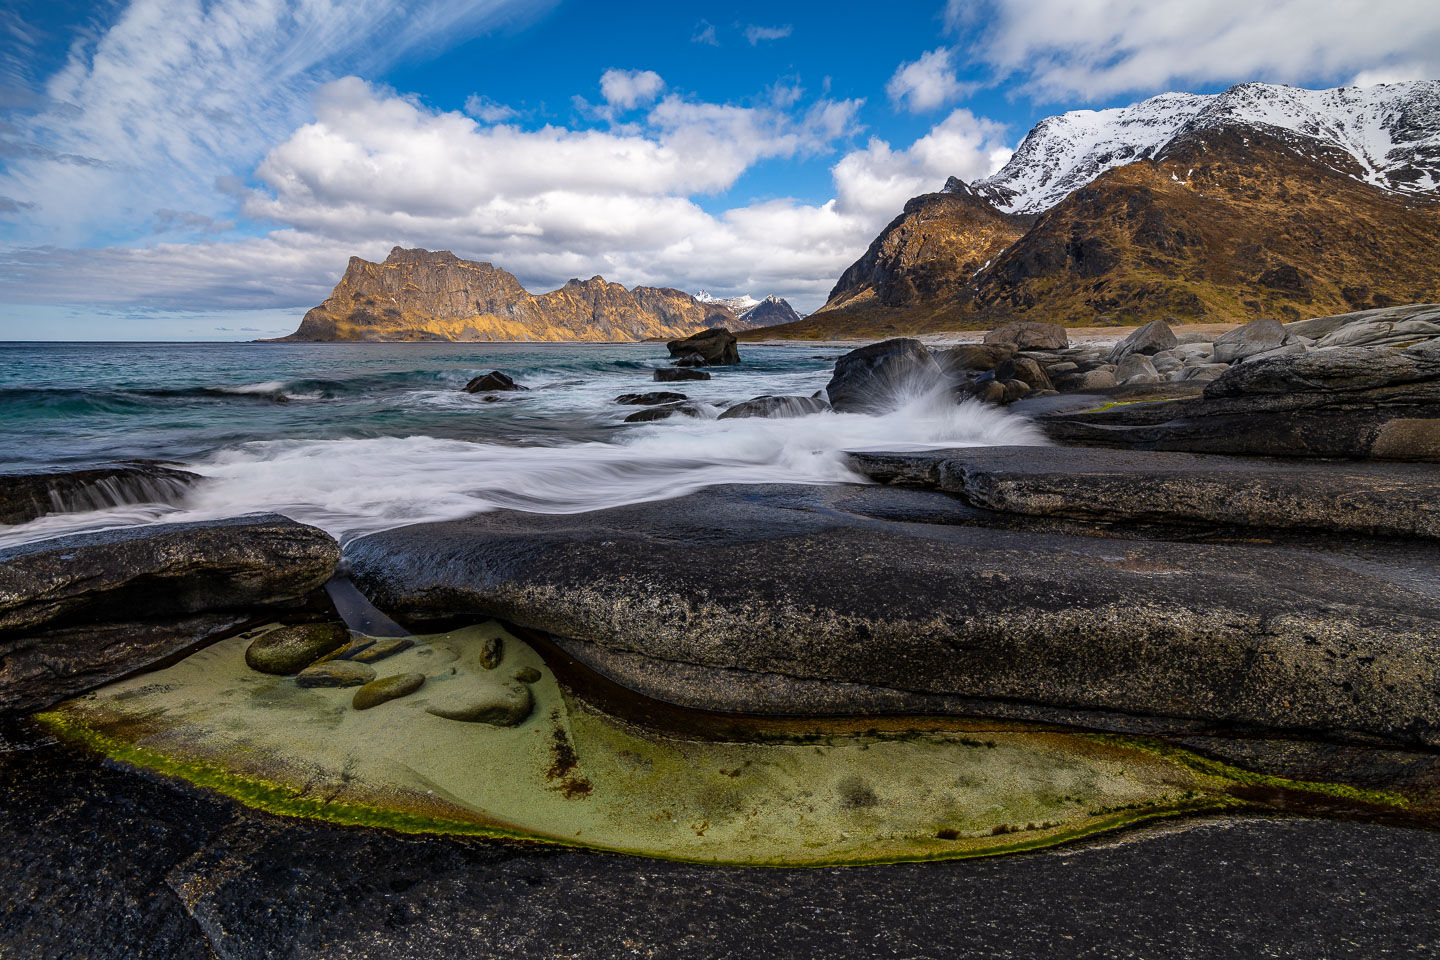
(351, 487)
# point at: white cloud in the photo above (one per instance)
(1059, 49)
(1399, 73)
(926, 83)
(487, 110)
(176, 93)
(755, 33)
(376, 169)
(705, 33)
(628, 89)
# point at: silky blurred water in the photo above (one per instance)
(361, 437)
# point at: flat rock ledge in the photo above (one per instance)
(834, 588)
(82, 610)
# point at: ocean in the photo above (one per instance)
(357, 438)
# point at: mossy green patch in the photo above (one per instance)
(795, 793)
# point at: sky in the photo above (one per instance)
(204, 169)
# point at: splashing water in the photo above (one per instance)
(355, 485)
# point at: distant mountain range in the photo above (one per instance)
(1260, 201)
(435, 295)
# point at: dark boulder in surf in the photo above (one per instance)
(776, 407)
(673, 374)
(714, 347)
(78, 611)
(877, 376)
(492, 382)
(26, 496)
(650, 399)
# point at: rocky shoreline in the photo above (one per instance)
(1230, 545)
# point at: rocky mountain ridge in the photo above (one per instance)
(1251, 203)
(753, 313)
(434, 295)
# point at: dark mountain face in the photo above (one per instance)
(770, 312)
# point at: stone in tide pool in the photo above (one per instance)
(501, 705)
(386, 689)
(336, 673)
(291, 649)
(492, 651)
(382, 648)
(526, 675)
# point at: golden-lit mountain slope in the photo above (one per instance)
(425, 295)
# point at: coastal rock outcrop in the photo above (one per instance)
(78, 611)
(493, 382)
(1329, 640)
(435, 295)
(775, 407)
(876, 377)
(714, 347)
(26, 496)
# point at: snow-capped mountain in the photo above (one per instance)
(1391, 132)
(751, 312)
(737, 305)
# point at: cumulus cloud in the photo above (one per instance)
(628, 89)
(487, 110)
(175, 94)
(1108, 47)
(926, 83)
(755, 33)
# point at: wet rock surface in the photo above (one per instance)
(913, 594)
(386, 689)
(493, 382)
(1366, 498)
(82, 609)
(335, 673)
(26, 496)
(111, 865)
(775, 407)
(874, 377)
(674, 374)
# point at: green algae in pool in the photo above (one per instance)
(573, 775)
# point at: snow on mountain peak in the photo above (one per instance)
(1391, 130)
(737, 305)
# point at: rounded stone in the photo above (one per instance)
(386, 689)
(526, 675)
(335, 673)
(291, 649)
(501, 705)
(382, 648)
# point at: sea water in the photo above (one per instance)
(357, 438)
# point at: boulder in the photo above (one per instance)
(1386, 326)
(492, 382)
(1025, 369)
(1099, 379)
(673, 374)
(664, 411)
(80, 610)
(650, 399)
(715, 347)
(1028, 335)
(1258, 336)
(1203, 371)
(876, 377)
(1337, 370)
(1136, 368)
(840, 601)
(978, 357)
(776, 407)
(25, 496)
(1150, 339)
(289, 650)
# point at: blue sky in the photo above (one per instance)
(204, 168)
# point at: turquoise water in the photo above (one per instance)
(360, 437)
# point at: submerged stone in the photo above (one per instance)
(502, 705)
(492, 651)
(526, 675)
(386, 689)
(335, 673)
(291, 649)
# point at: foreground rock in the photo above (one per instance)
(850, 601)
(204, 877)
(290, 650)
(25, 496)
(1369, 499)
(81, 610)
(714, 347)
